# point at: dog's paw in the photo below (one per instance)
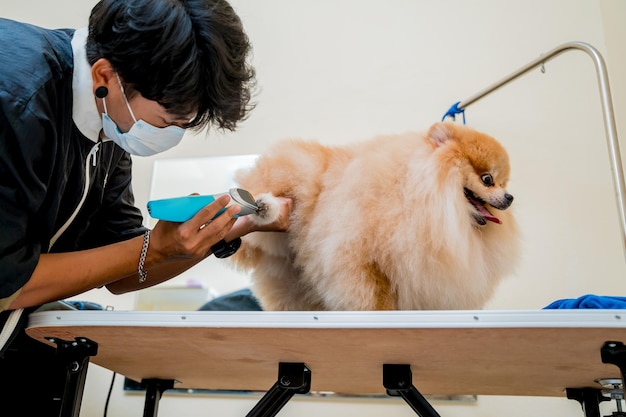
(269, 209)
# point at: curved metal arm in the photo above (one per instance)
(607, 112)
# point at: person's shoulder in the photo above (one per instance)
(27, 45)
(22, 32)
(32, 56)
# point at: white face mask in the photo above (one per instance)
(143, 139)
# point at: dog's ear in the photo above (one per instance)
(439, 133)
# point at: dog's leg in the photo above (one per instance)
(277, 285)
(364, 289)
(269, 209)
(386, 295)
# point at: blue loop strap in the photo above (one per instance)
(453, 111)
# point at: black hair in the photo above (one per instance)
(191, 56)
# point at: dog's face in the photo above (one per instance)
(484, 168)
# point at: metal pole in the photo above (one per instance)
(607, 112)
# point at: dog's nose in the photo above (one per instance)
(509, 198)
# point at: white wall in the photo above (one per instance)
(345, 70)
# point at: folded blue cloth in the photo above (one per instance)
(589, 301)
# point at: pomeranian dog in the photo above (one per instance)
(404, 222)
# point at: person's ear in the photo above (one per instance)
(102, 74)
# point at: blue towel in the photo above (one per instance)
(589, 301)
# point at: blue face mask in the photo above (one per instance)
(143, 139)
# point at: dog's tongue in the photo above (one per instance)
(487, 214)
(483, 210)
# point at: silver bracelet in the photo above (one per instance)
(143, 274)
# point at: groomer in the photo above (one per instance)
(74, 107)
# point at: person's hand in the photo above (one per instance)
(194, 238)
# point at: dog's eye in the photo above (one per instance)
(487, 179)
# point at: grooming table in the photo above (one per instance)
(407, 354)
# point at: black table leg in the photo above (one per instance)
(293, 378)
(74, 355)
(398, 381)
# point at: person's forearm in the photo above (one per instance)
(155, 275)
(63, 275)
(173, 248)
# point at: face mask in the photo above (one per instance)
(143, 139)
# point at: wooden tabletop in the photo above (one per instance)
(533, 353)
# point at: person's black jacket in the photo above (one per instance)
(59, 190)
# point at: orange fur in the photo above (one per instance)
(383, 224)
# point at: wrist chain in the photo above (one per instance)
(143, 274)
